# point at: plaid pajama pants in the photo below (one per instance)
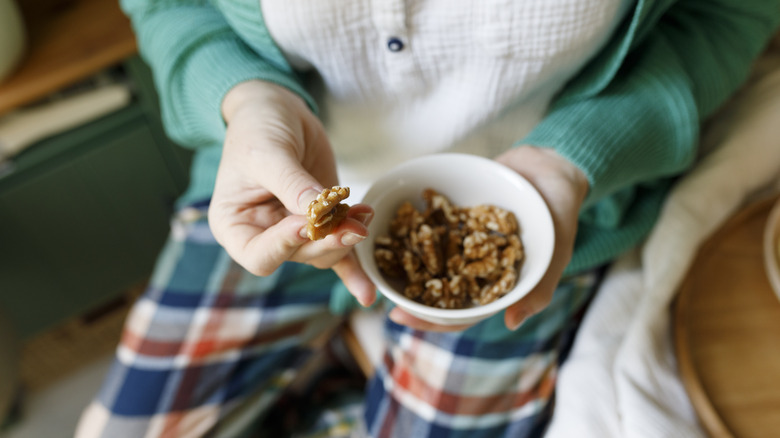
(208, 341)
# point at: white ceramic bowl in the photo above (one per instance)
(467, 180)
(772, 248)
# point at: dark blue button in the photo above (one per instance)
(395, 44)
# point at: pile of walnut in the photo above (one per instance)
(451, 257)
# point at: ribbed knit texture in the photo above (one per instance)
(197, 57)
(632, 137)
(630, 120)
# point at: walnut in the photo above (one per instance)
(326, 212)
(464, 285)
(413, 267)
(513, 253)
(451, 257)
(481, 251)
(387, 262)
(478, 245)
(414, 290)
(484, 267)
(496, 289)
(440, 207)
(439, 293)
(407, 218)
(492, 218)
(427, 245)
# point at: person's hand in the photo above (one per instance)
(564, 187)
(275, 160)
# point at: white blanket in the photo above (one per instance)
(621, 378)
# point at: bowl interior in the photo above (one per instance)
(467, 181)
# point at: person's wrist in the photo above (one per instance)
(542, 166)
(249, 93)
(568, 171)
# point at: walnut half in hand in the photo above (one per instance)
(326, 212)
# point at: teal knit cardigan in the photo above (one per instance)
(630, 119)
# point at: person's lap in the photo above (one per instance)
(485, 381)
(207, 335)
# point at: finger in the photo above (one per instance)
(348, 234)
(288, 180)
(357, 282)
(262, 250)
(533, 303)
(326, 252)
(399, 316)
(362, 213)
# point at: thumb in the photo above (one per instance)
(290, 182)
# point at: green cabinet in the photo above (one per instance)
(84, 214)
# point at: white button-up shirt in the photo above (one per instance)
(404, 78)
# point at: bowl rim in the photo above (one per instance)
(505, 301)
(771, 246)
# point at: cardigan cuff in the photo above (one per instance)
(642, 127)
(204, 80)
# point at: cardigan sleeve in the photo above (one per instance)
(644, 124)
(196, 58)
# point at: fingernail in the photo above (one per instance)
(304, 232)
(364, 218)
(350, 239)
(365, 301)
(520, 320)
(394, 317)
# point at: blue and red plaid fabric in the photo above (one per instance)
(207, 338)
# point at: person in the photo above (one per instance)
(597, 103)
